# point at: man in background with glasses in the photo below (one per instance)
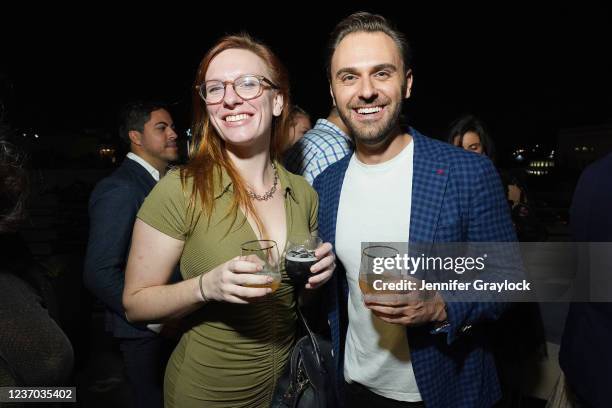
(149, 130)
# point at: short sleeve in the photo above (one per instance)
(165, 208)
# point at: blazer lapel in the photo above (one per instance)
(336, 181)
(428, 187)
(146, 179)
(329, 201)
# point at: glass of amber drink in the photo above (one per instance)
(381, 275)
(264, 252)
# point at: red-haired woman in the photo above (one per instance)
(233, 190)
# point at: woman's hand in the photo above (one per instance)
(229, 282)
(323, 268)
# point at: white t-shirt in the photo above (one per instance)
(375, 206)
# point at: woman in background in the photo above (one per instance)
(300, 123)
(34, 351)
(470, 133)
(519, 332)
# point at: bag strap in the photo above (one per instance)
(309, 333)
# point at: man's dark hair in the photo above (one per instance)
(367, 23)
(470, 123)
(134, 115)
(14, 186)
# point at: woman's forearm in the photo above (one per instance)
(163, 302)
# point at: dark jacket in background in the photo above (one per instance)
(113, 206)
(586, 352)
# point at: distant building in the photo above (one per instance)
(538, 160)
(541, 167)
(107, 153)
(578, 147)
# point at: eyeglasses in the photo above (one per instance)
(246, 87)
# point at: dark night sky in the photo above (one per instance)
(525, 71)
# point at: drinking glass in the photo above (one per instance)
(264, 252)
(300, 256)
(383, 277)
(372, 261)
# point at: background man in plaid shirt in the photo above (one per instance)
(320, 147)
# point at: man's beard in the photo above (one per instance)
(372, 134)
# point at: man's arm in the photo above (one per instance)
(488, 221)
(112, 211)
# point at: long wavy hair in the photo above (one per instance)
(208, 155)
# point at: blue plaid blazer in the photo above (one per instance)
(457, 196)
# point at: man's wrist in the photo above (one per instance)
(440, 314)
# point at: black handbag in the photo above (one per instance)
(307, 381)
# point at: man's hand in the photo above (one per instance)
(406, 310)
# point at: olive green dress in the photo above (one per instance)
(233, 354)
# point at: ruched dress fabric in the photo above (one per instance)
(232, 355)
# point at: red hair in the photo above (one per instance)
(208, 154)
